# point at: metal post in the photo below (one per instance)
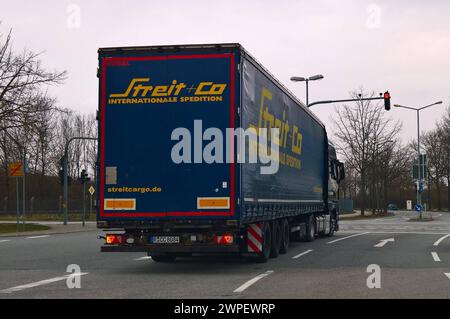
(17, 202)
(307, 97)
(90, 205)
(419, 179)
(66, 195)
(23, 198)
(84, 203)
(65, 163)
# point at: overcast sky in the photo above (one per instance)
(402, 46)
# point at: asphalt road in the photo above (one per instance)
(416, 264)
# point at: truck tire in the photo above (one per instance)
(264, 255)
(276, 239)
(285, 236)
(332, 227)
(333, 223)
(310, 228)
(163, 258)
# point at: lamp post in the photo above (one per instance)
(419, 179)
(304, 79)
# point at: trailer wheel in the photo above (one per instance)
(310, 228)
(276, 239)
(285, 233)
(163, 258)
(264, 255)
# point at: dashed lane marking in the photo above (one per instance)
(351, 236)
(35, 237)
(40, 283)
(302, 254)
(435, 256)
(143, 258)
(252, 281)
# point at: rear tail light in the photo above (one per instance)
(224, 239)
(114, 239)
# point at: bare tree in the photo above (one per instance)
(363, 134)
(21, 77)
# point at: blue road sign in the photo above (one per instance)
(418, 208)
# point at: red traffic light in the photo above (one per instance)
(387, 100)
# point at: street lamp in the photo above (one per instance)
(419, 180)
(302, 79)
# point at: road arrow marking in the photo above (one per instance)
(440, 240)
(384, 242)
(447, 274)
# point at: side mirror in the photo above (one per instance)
(341, 172)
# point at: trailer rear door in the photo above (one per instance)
(149, 104)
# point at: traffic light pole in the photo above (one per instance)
(419, 177)
(65, 164)
(346, 100)
(84, 203)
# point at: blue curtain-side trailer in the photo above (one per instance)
(173, 178)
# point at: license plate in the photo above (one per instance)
(165, 239)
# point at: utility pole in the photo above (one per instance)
(420, 172)
(23, 187)
(307, 79)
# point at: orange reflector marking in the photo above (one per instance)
(120, 204)
(213, 202)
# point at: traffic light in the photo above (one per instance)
(387, 100)
(84, 176)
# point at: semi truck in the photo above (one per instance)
(180, 131)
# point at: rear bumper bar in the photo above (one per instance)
(212, 249)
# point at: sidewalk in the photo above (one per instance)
(55, 228)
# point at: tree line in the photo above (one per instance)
(379, 165)
(34, 128)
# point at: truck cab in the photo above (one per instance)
(335, 177)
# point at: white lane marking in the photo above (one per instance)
(435, 256)
(252, 281)
(392, 232)
(384, 242)
(301, 254)
(447, 274)
(355, 235)
(41, 236)
(4, 240)
(440, 240)
(40, 283)
(143, 258)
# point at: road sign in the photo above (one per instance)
(422, 171)
(418, 208)
(15, 169)
(91, 190)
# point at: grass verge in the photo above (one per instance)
(12, 228)
(49, 217)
